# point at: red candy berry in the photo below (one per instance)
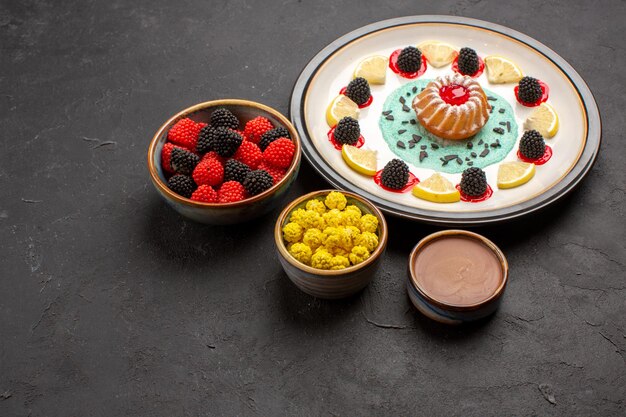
(230, 192)
(279, 153)
(213, 155)
(185, 133)
(276, 173)
(249, 154)
(205, 193)
(208, 172)
(166, 156)
(256, 127)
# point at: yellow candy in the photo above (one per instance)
(301, 252)
(358, 254)
(333, 218)
(350, 218)
(296, 216)
(369, 223)
(316, 205)
(336, 200)
(352, 207)
(311, 219)
(333, 238)
(321, 259)
(368, 240)
(330, 234)
(314, 238)
(339, 262)
(292, 232)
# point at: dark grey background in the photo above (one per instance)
(111, 304)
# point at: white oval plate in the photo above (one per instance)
(575, 146)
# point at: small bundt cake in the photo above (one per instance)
(452, 107)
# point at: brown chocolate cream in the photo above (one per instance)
(458, 270)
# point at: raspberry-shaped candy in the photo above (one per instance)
(529, 90)
(166, 156)
(182, 185)
(468, 61)
(271, 135)
(185, 133)
(358, 90)
(279, 153)
(183, 162)
(249, 154)
(222, 117)
(208, 172)
(205, 194)
(235, 171)
(256, 127)
(213, 155)
(226, 142)
(276, 173)
(473, 182)
(230, 192)
(257, 181)
(410, 59)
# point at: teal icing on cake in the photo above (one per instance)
(401, 130)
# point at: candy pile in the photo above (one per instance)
(330, 234)
(217, 163)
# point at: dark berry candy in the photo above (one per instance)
(182, 185)
(410, 59)
(358, 90)
(235, 171)
(468, 61)
(529, 90)
(395, 174)
(531, 145)
(271, 135)
(257, 181)
(347, 131)
(205, 139)
(183, 161)
(226, 142)
(222, 117)
(473, 182)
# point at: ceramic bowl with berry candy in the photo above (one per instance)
(224, 161)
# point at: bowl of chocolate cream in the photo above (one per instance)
(456, 276)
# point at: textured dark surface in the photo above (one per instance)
(111, 304)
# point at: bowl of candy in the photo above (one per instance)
(224, 161)
(330, 243)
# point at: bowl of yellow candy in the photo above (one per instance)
(330, 243)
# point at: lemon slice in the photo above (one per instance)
(544, 120)
(437, 189)
(339, 108)
(362, 161)
(437, 53)
(373, 69)
(501, 70)
(514, 174)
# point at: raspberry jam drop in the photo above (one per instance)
(481, 67)
(545, 92)
(454, 94)
(539, 161)
(475, 199)
(361, 106)
(409, 184)
(393, 64)
(338, 145)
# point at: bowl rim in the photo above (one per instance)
(278, 235)
(456, 232)
(162, 186)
